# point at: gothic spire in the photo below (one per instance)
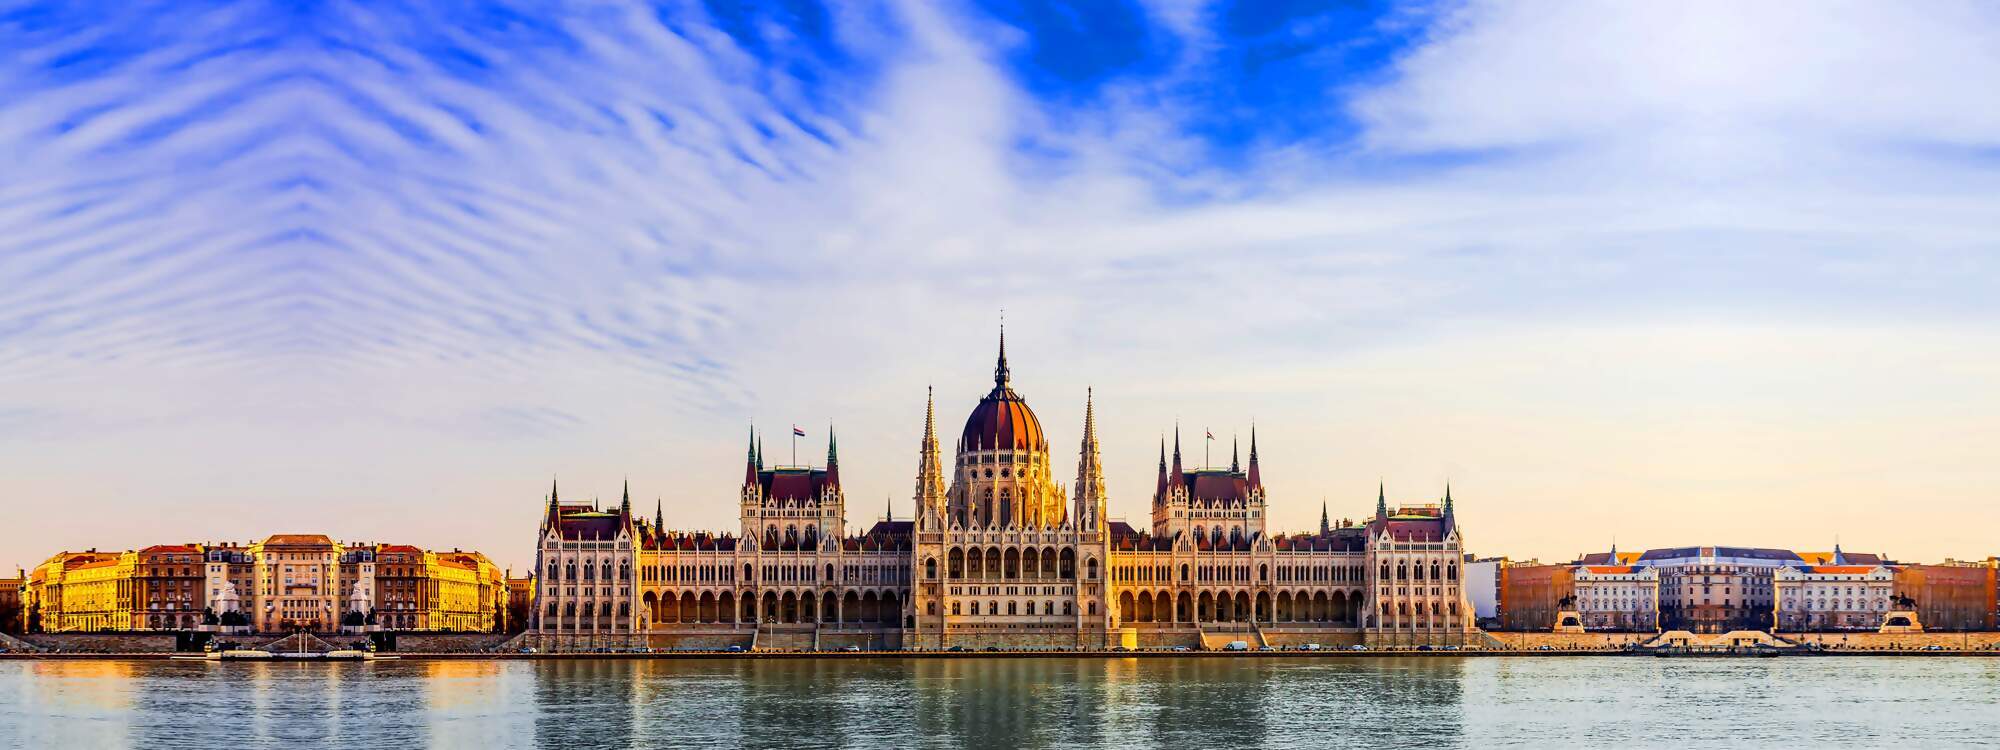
(625, 502)
(1001, 375)
(1256, 477)
(1176, 477)
(1325, 522)
(659, 514)
(1381, 501)
(832, 458)
(1089, 469)
(751, 463)
(1233, 465)
(929, 496)
(1447, 499)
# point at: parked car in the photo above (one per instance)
(1180, 648)
(1265, 648)
(1425, 647)
(1237, 646)
(1309, 647)
(1357, 647)
(851, 648)
(734, 649)
(956, 649)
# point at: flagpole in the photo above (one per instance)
(1207, 437)
(795, 445)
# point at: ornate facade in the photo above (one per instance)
(998, 553)
(285, 582)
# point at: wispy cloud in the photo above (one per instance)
(626, 230)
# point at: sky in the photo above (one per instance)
(1651, 274)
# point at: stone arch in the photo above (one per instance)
(1205, 607)
(725, 605)
(1068, 563)
(706, 604)
(1010, 567)
(975, 563)
(829, 609)
(1262, 612)
(1127, 608)
(1184, 610)
(1048, 562)
(1031, 563)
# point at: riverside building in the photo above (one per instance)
(999, 553)
(282, 583)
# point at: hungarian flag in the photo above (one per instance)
(796, 432)
(1211, 435)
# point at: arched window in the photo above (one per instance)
(829, 572)
(930, 567)
(569, 610)
(552, 609)
(607, 570)
(604, 610)
(1010, 608)
(569, 570)
(1184, 571)
(552, 570)
(791, 535)
(1068, 607)
(1090, 569)
(975, 608)
(954, 608)
(1263, 572)
(812, 537)
(624, 571)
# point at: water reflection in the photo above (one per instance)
(1215, 702)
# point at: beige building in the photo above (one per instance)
(1833, 597)
(1000, 554)
(1617, 597)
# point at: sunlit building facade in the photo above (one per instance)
(999, 553)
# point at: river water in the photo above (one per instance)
(1198, 702)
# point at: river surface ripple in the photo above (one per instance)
(1202, 702)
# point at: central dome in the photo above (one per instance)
(1002, 420)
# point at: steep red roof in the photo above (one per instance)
(794, 483)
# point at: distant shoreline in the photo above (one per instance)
(711, 655)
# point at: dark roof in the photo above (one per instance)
(1216, 484)
(1002, 420)
(585, 523)
(1752, 553)
(697, 541)
(794, 482)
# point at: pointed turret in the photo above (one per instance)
(555, 505)
(832, 459)
(1090, 493)
(760, 452)
(928, 500)
(1001, 375)
(1325, 522)
(1234, 466)
(1381, 502)
(625, 501)
(1160, 487)
(750, 461)
(659, 514)
(1256, 477)
(1176, 477)
(1447, 500)
(1839, 558)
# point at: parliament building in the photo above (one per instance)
(999, 554)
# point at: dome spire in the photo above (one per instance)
(1001, 375)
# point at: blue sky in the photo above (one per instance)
(380, 271)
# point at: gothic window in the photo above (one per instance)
(791, 535)
(975, 608)
(624, 571)
(1010, 608)
(771, 536)
(812, 536)
(607, 570)
(604, 609)
(930, 567)
(1068, 607)
(570, 570)
(1184, 571)
(954, 608)
(1090, 568)
(552, 570)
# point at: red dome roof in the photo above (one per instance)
(1002, 420)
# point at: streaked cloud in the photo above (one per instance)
(439, 254)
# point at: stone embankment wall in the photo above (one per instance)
(441, 643)
(104, 643)
(1897, 641)
(1568, 641)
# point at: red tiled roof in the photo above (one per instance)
(168, 549)
(299, 539)
(793, 483)
(1842, 570)
(1609, 569)
(1002, 420)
